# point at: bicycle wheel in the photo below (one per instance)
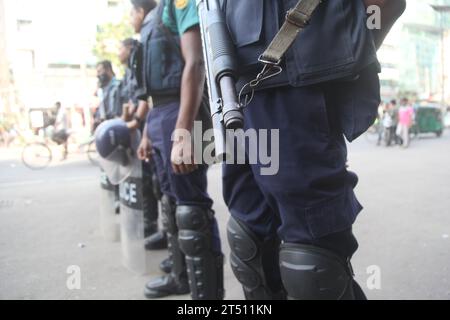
(36, 156)
(92, 153)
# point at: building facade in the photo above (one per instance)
(414, 57)
(46, 46)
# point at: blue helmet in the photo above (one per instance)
(116, 145)
(112, 137)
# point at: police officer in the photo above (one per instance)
(108, 93)
(291, 233)
(174, 77)
(134, 113)
(110, 104)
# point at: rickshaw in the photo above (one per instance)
(428, 119)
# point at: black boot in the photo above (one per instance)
(157, 241)
(165, 286)
(166, 266)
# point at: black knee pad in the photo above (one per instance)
(194, 225)
(312, 273)
(248, 255)
(168, 210)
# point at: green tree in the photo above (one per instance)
(108, 40)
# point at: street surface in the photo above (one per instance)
(49, 221)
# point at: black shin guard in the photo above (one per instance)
(312, 273)
(253, 261)
(175, 254)
(150, 206)
(205, 266)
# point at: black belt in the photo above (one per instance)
(162, 100)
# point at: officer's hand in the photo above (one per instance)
(182, 157)
(126, 112)
(132, 107)
(144, 151)
(132, 125)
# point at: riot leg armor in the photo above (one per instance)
(149, 204)
(312, 273)
(205, 265)
(154, 239)
(177, 281)
(255, 263)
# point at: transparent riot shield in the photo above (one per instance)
(134, 255)
(109, 219)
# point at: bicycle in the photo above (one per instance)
(91, 150)
(39, 155)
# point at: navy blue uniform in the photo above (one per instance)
(329, 90)
(132, 84)
(110, 106)
(193, 235)
(131, 89)
(163, 84)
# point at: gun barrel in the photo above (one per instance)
(214, 94)
(220, 62)
(232, 114)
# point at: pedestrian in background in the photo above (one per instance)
(61, 134)
(405, 122)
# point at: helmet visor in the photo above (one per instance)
(119, 165)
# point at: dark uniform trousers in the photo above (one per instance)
(187, 190)
(311, 199)
(328, 90)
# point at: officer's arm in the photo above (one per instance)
(391, 10)
(141, 114)
(193, 78)
(117, 107)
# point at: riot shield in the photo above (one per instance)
(132, 223)
(109, 219)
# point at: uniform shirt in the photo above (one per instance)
(132, 86)
(180, 15)
(127, 88)
(336, 45)
(110, 107)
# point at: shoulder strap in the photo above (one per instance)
(296, 20)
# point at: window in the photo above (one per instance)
(24, 25)
(64, 66)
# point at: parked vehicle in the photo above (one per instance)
(429, 118)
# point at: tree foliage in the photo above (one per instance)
(108, 40)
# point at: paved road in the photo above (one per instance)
(404, 230)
